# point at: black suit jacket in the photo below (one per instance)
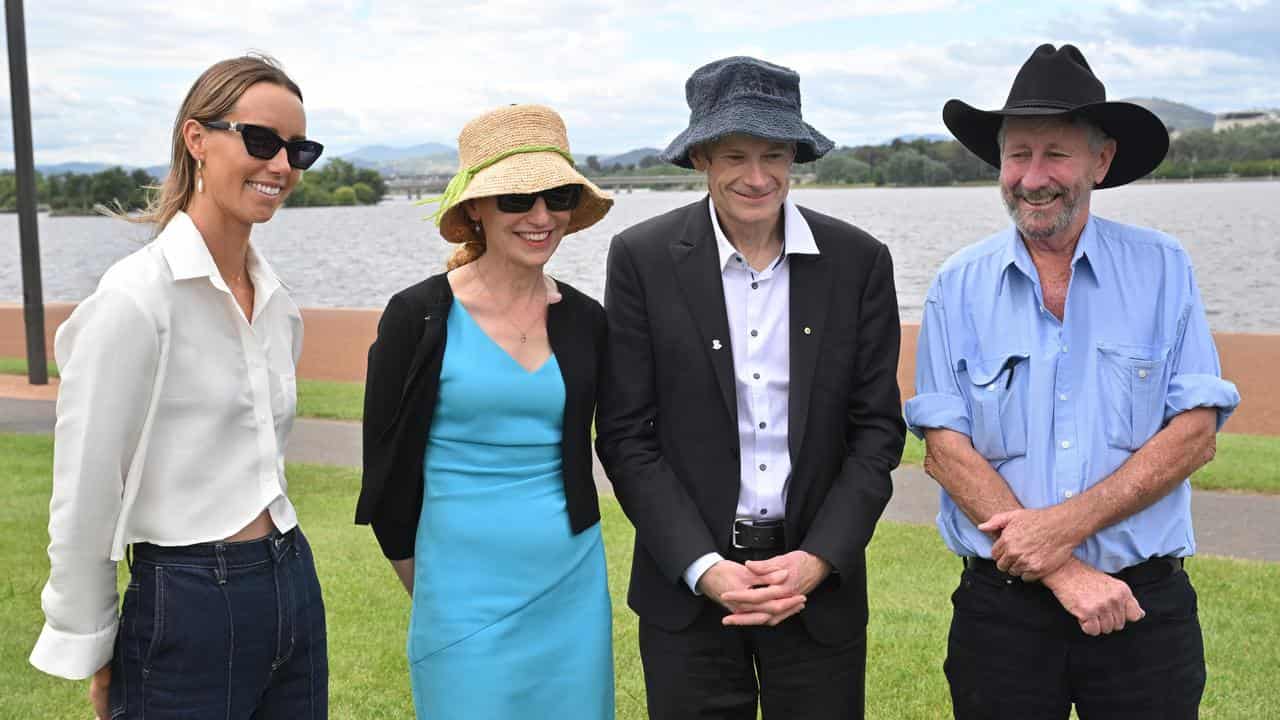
(400, 399)
(667, 422)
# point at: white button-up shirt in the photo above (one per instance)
(173, 415)
(758, 304)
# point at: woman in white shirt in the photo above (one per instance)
(176, 401)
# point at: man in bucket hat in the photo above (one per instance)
(1067, 385)
(748, 417)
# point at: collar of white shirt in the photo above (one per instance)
(797, 237)
(188, 257)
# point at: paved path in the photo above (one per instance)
(1234, 524)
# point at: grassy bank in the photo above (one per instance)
(911, 577)
(1247, 463)
(18, 366)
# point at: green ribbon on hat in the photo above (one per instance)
(458, 184)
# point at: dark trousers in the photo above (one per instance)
(222, 630)
(708, 670)
(1014, 652)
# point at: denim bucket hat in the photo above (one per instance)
(748, 96)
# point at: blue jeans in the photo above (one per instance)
(222, 630)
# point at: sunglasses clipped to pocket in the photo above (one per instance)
(263, 143)
(558, 199)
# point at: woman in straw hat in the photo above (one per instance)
(176, 402)
(477, 427)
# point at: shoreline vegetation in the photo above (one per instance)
(1244, 463)
(1241, 153)
(80, 194)
(1246, 153)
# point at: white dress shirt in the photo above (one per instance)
(172, 419)
(758, 304)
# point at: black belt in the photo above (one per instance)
(757, 535)
(1144, 573)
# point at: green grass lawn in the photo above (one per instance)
(911, 578)
(1249, 463)
(331, 400)
(18, 366)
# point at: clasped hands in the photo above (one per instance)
(764, 592)
(1037, 545)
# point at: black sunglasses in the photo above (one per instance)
(558, 199)
(263, 143)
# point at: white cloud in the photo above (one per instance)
(106, 80)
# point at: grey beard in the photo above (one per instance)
(1070, 206)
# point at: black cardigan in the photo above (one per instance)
(400, 398)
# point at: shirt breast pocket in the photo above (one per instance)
(997, 394)
(1133, 380)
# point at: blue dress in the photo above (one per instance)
(511, 613)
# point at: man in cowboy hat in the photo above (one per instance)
(1067, 385)
(748, 418)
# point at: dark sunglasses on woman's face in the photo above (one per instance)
(558, 199)
(263, 143)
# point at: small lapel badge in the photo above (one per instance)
(808, 330)
(715, 344)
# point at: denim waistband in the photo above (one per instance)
(219, 554)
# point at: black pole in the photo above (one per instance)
(24, 167)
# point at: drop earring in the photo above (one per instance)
(199, 176)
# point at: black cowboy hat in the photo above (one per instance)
(1059, 82)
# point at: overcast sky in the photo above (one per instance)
(107, 78)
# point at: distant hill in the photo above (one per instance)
(1174, 115)
(927, 137)
(630, 157)
(88, 168)
(424, 159)
(79, 168)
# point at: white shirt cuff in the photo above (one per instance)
(698, 567)
(72, 655)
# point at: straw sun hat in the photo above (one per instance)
(514, 149)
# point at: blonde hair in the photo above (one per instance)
(213, 95)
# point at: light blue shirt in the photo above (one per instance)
(1056, 407)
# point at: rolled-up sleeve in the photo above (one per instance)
(1196, 378)
(107, 353)
(938, 402)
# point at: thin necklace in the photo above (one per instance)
(524, 332)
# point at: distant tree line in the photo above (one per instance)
(915, 162)
(903, 162)
(79, 193)
(337, 183)
(647, 165)
(1242, 152)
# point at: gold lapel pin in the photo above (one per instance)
(808, 330)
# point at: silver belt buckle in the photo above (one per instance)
(733, 532)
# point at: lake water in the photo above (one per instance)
(359, 256)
